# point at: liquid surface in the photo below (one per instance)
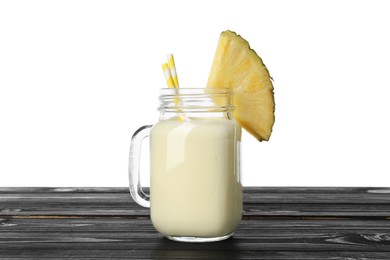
(195, 184)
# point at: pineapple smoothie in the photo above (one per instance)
(195, 183)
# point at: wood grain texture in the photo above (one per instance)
(278, 223)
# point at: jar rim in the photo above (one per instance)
(196, 99)
(194, 91)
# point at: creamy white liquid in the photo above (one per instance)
(195, 185)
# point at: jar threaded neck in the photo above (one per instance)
(187, 100)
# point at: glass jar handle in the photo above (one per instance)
(136, 191)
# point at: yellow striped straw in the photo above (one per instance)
(172, 68)
(172, 82)
(168, 75)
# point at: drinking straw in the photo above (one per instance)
(168, 75)
(172, 81)
(172, 68)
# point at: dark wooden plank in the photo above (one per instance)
(319, 210)
(70, 190)
(113, 224)
(252, 211)
(318, 195)
(268, 234)
(188, 254)
(289, 195)
(31, 222)
(294, 240)
(262, 194)
(265, 201)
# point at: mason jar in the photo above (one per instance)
(195, 186)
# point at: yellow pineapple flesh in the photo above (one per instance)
(238, 67)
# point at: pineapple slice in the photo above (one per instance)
(238, 67)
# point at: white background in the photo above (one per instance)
(78, 77)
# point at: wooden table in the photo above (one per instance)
(278, 223)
